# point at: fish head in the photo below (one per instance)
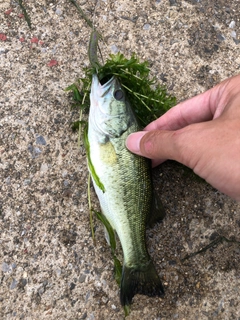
(110, 112)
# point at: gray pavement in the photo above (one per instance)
(49, 266)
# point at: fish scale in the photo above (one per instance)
(127, 198)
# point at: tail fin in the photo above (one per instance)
(142, 280)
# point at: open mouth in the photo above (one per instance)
(106, 79)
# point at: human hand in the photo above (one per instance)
(202, 133)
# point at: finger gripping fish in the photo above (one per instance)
(123, 185)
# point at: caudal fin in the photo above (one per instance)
(142, 280)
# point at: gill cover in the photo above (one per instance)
(110, 112)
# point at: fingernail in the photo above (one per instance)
(133, 141)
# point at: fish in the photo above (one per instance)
(123, 184)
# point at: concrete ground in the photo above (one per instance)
(49, 266)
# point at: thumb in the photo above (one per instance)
(156, 145)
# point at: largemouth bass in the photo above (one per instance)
(123, 185)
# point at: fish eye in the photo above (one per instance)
(118, 94)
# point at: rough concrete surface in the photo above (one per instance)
(49, 266)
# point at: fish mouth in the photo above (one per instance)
(106, 79)
(102, 86)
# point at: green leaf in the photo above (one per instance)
(93, 49)
(26, 16)
(109, 229)
(117, 270)
(80, 97)
(126, 310)
(77, 95)
(112, 240)
(83, 15)
(77, 124)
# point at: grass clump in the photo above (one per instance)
(147, 97)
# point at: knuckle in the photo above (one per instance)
(148, 144)
(182, 149)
